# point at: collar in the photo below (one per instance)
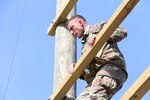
(85, 34)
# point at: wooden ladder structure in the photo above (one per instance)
(139, 88)
(115, 20)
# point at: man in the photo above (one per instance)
(106, 73)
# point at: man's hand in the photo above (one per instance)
(71, 68)
(91, 40)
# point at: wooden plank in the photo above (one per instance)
(61, 16)
(139, 88)
(120, 14)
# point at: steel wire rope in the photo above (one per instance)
(16, 44)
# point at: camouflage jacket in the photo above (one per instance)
(110, 52)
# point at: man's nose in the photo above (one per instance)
(72, 32)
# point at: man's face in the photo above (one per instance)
(75, 27)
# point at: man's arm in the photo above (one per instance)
(119, 34)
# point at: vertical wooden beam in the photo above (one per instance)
(65, 51)
(62, 13)
(120, 14)
(139, 88)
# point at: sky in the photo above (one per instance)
(29, 62)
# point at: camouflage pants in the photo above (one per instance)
(108, 80)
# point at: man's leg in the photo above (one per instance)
(107, 82)
(85, 94)
(66, 97)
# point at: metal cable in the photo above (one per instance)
(16, 44)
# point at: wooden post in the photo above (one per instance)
(139, 88)
(61, 15)
(65, 51)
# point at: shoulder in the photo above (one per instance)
(97, 27)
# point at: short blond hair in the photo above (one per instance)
(74, 17)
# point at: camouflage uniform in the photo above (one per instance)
(106, 73)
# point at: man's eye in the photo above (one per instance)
(71, 28)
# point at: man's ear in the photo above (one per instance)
(81, 23)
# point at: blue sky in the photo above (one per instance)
(32, 68)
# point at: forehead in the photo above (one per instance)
(73, 21)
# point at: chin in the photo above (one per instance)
(79, 37)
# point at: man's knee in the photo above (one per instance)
(66, 97)
(99, 97)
